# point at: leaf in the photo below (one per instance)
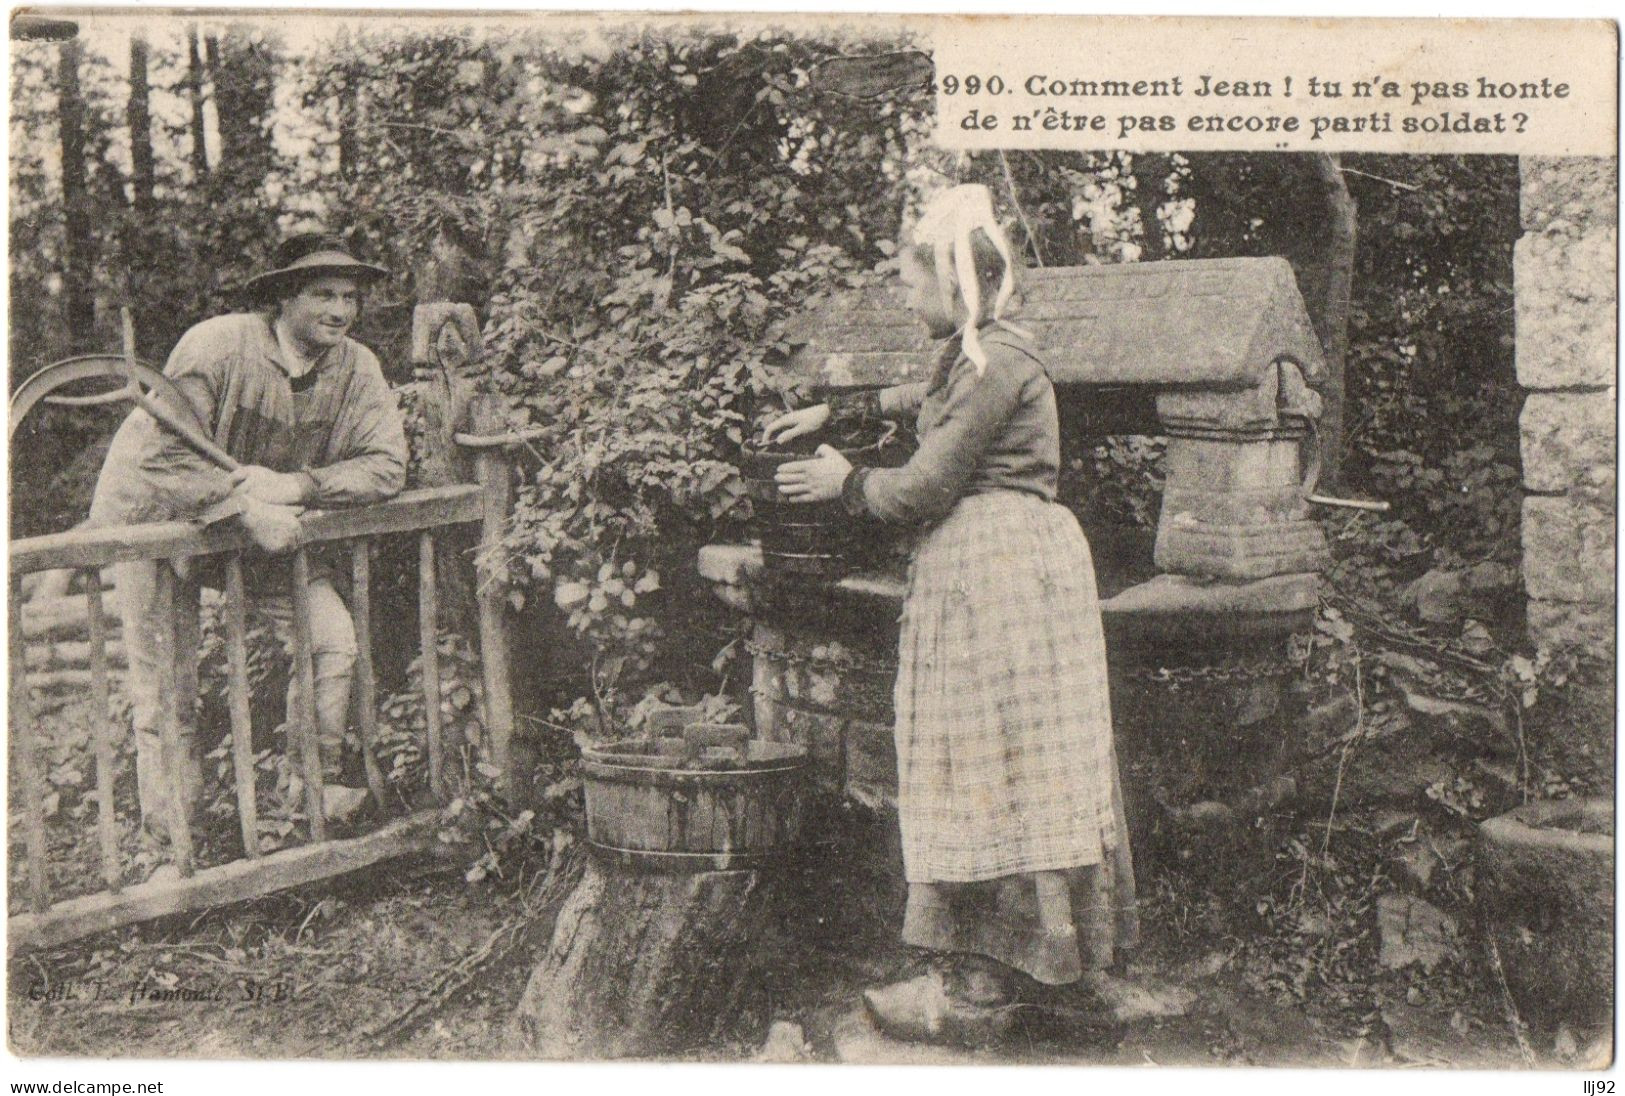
(569, 595)
(1340, 630)
(1476, 638)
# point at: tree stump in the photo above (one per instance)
(643, 965)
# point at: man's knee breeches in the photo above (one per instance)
(333, 651)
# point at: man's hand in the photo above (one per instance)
(274, 528)
(816, 480)
(281, 488)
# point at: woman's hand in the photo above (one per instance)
(817, 480)
(796, 423)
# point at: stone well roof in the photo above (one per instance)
(1207, 323)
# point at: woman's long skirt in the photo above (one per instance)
(1014, 843)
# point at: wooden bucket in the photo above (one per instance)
(670, 805)
(818, 538)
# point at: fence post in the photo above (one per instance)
(23, 732)
(496, 480)
(188, 633)
(429, 661)
(237, 699)
(445, 341)
(101, 729)
(305, 719)
(447, 336)
(365, 695)
(174, 751)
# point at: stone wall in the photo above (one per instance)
(1564, 279)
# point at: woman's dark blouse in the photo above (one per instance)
(994, 432)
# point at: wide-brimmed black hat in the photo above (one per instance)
(309, 255)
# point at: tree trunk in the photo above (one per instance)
(139, 116)
(1150, 173)
(194, 91)
(139, 222)
(643, 965)
(1341, 223)
(78, 287)
(241, 72)
(349, 105)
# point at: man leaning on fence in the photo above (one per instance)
(306, 411)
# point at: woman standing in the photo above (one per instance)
(1014, 844)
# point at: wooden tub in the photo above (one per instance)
(670, 805)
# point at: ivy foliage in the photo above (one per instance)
(646, 256)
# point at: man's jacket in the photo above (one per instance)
(339, 422)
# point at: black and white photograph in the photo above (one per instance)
(811, 540)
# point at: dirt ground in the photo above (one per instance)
(410, 960)
(404, 964)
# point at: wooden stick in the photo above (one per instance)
(366, 689)
(72, 652)
(172, 761)
(304, 667)
(499, 441)
(494, 645)
(233, 882)
(1350, 504)
(428, 634)
(188, 639)
(23, 729)
(187, 432)
(242, 730)
(61, 681)
(101, 730)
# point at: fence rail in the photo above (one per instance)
(422, 512)
(425, 508)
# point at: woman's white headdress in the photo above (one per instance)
(946, 224)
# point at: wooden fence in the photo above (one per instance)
(424, 513)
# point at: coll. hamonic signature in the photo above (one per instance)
(94, 991)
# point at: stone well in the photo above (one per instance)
(1219, 357)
